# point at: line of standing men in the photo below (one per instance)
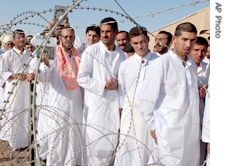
(158, 93)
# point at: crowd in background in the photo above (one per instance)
(111, 100)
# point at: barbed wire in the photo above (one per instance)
(152, 14)
(44, 43)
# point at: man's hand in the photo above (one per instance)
(202, 91)
(17, 76)
(51, 24)
(66, 23)
(30, 77)
(111, 85)
(153, 134)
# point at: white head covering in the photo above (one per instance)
(6, 38)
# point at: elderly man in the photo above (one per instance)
(7, 42)
(64, 103)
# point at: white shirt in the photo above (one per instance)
(206, 118)
(203, 73)
(101, 106)
(64, 110)
(129, 71)
(169, 102)
(132, 73)
(16, 132)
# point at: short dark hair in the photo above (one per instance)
(124, 32)
(27, 43)
(185, 27)
(29, 36)
(93, 28)
(201, 41)
(169, 35)
(136, 31)
(17, 31)
(110, 21)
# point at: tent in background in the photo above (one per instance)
(201, 19)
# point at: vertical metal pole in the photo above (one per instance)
(32, 150)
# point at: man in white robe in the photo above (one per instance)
(64, 104)
(169, 102)
(206, 124)
(198, 54)
(97, 75)
(2, 91)
(16, 118)
(136, 143)
(41, 100)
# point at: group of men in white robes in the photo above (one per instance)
(136, 111)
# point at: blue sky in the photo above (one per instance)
(83, 18)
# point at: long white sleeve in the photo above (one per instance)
(85, 75)
(149, 93)
(206, 118)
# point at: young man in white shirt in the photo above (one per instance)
(136, 144)
(98, 75)
(169, 102)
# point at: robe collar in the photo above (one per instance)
(201, 67)
(18, 51)
(158, 54)
(179, 60)
(145, 58)
(105, 48)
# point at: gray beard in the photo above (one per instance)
(67, 48)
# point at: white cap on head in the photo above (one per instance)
(6, 38)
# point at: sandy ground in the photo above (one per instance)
(12, 158)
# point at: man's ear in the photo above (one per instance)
(116, 32)
(174, 38)
(170, 43)
(60, 38)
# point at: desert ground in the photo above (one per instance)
(13, 158)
